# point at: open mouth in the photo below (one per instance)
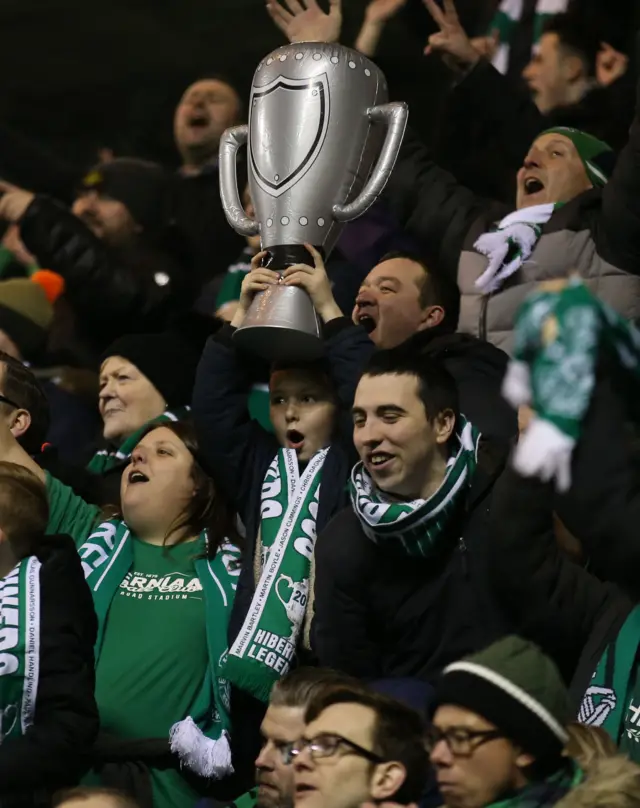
(367, 322)
(303, 790)
(295, 439)
(199, 121)
(379, 460)
(532, 185)
(137, 477)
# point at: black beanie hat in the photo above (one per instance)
(169, 360)
(515, 686)
(143, 187)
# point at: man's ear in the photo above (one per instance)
(572, 68)
(431, 317)
(387, 779)
(524, 760)
(19, 423)
(444, 425)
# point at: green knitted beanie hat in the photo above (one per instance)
(514, 686)
(597, 156)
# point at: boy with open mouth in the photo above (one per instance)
(286, 485)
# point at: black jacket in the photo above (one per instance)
(478, 368)
(53, 753)
(562, 607)
(111, 293)
(238, 451)
(381, 614)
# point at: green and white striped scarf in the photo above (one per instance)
(19, 647)
(509, 15)
(265, 647)
(201, 740)
(560, 332)
(107, 459)
(416, 527)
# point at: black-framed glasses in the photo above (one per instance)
(5, 400)
(327, 744)
(461, 741)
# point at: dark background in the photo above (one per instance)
(84, 75)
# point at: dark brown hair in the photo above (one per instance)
(303, 685)
(398, 734)
(24, 508)
(208, 510)
(82, 793)
(21, 386)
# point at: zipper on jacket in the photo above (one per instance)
(484, 311)
(464, 552)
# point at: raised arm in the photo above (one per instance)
(618, 234)
(504, 107)
(553, 601)
(232, 443)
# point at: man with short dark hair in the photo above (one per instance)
(562, 69)
(401, 584)
(405, 301)
(282, 725)
(23, 404)
(359, 747)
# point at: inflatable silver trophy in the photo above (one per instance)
(321, 143)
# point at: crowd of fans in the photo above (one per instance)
(402, 574)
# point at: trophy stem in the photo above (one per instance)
(282, 256)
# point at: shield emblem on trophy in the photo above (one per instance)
(301, 106)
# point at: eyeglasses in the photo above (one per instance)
(5, 400)
(462, 742)
(324, 746)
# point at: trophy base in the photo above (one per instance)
(279, 344)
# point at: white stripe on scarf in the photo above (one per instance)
(521, 228)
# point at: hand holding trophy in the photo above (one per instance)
(322, 141)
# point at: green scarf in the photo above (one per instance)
(266, 644)
(416, 525)
(544, 793)
(612, 700)
(508, 17)
(560, 332)
(19, 647)
(201, 740)
(107, 459)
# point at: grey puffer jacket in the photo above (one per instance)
(597, 234)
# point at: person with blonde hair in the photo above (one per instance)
(612, 783)
(588, 745)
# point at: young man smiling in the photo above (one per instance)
(401, 575)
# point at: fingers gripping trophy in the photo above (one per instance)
(322, 140)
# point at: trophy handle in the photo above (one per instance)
(234, 210)
(395, 116)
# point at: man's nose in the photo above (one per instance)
(533, 159)
(441, 754)
(365, 298)
(264, 760)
